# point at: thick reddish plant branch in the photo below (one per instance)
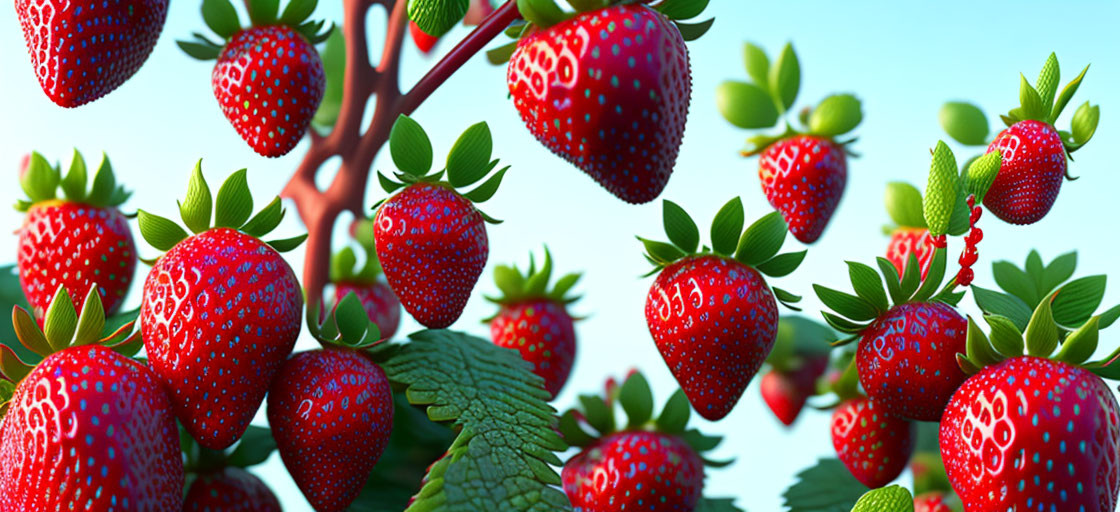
(320, 209)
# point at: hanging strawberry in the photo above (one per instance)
(710, 312)
(268, 79)
(606, 88)
(909, 234)
(221, 309)
(430, 238)
(80, 240)
(798, 360)
(217, 480)
(367, 284)
(1034, 151)
(803, 173)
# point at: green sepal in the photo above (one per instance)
(786, 299)
(486, 190)
(1042, 333)
(977, 346)
(784, 79)
(598, 413)
(347, 326)
(843, 325)
(74, 183)
(104, 191)
(469, 159)
(964, 122)
(680, 227)
(661, 252)
(199, 50)
(1006, 338)
(542, 13)
(636, 399)
(1047, 83)
(941, 191)
(342, 265)
(517, 287)
(868, 286)
(410, 147)
(287, 244)
(682, 9)
(891, 277)
(1066, 95)
(982, 173)
(1080, 345)
(762, 240)
(263, 12)
(297, 11)
(91, 320)
(783, 264)
(887, 499)
(265, 220)
(1030, 103)
(1009, 306)
(221, 17)
(40, 180)
(836, 115)
(850, 306)
(1017, 282)
(911, 277)
(195, 209)
(933, 278)
(60, 321)
(675, 415)
(757, 65)
(159, 232)
(28, 332)
(1076, 301)
(727, 227)
(234, 204)
(501, 54)
(572, 433)
(1085, 121)
(387, 184)
(255, 446)
(746, 105)
(699, 441)
(693, 31)
(11, 366)
(967, 366)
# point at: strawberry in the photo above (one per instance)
(931, 502)
(331, 411)
(649, 462)
(430, 238)
(873, 444)
(421, 39)
(712, 315)
(623, 127)
(75, 242)
(86, 425)
(799, 358)
(907, 241)
(380, 304)
(269, 79)
(221, 309)
(81, 52)
(803, 174)
(1033, 151)
(478, 11)
(230, 489)
(785, 393)
(535, 321)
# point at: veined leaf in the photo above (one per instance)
(825, 487)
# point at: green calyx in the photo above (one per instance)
(945, 207)
(757, 247)
(348, 326)
(595, 417)
(770, 94)
(1040, 310)
(517, 287)
(221, 17)
(468, 162)
(63, 327)
(231, 209)
(40, 181)
(345, 268)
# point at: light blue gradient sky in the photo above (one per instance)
(902, 58)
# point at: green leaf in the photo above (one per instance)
(727, 227)
(674, 417)
(982, 173)
(978, 347)
(1085, 122)
(680, 227)
(1058, 271)
(351, 320)
(493, 397)
(104, 186)
(199, 51)
(74, 184)
(850, 306)
(941, 191)
(469, 158)
(263, 12)
(25, 329)
(1042, 332)
(297, 11)
(542, 13)
(254, 448)
(195, 209)
(598, 413)
(933, 277)
(1075, 302)
(501, 54)
(785, 297)
(1005, 336)
(1110, 316)
(334, 70)
(265, 220)
(887, 499)
(486, 190)
(785, 78)
(757, 64)
(571, 431)
(1080, 345)
(842, 324)
(890, 275)
(693, 31)
(1066, 95)
(783, 264)
(746, 105)
(410, 147)
(91, 320)
(1047, 83)
(287, 244)
(436, 17)
(836, 115)
(868, 286)
(40, 179)
(661, 252)
(964, 122)
(235, 203)
(826, 487)
(682, 9)
(637, 400)
(1009, 306)
(762, 240)
(911, 277)
(159, 232)
(60, 320)
(221, 17)
(1029, 100)
(1015, 281)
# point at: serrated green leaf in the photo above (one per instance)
(1029, 100)
(982, 173)
(1005, 336)
(437, 17)
(674, 417)
(762, 240)
(784, 79)
(757, 65)
(783, 264)
(1080, 345)
(1042, 333)
(1015, 281)
(680, 227)
(727, 227)
(887, 499)
(850, 306)
(867, 285)
(746, 105)
(693, 31)
(255, 447)
(1006, 305)
(221, 17)
(1047, 83)
(159, 232)
(1075, 302)
(74, 184)
(964, 122)
(1085, 121)
(1066, 95)
(263, 12)
(265, 220)
(542, 13)
(941, 190)
(826, 487)
(469, 158)
(836, 115)
(410, 147)
(234, 204)
(195, 209)
(636, 399)
(297, 11)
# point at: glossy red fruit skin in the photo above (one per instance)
(230, 489)
(633, 471)
(91, 427)
(999, 457)
(785, 393)
(82, 51)
(331, 412)
(905, 241)
(221, 312)
(75, 245)
(269, 82)
(432, 245)
(607, 90)
(1030, 173)
(423, 41)
(543, 333)
(874, 445)
(907, 359)
(803, 177)
(931, 502)
(714, 320)
(379, 302)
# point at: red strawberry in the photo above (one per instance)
(906, 241)
(83, 51)
(230, 489)
(874, 445)
(534, 320)
(331, 412)
(931, 502)
(421, 39)
(907, 359)
(786, 392)
(74, 242)
(431, 239)
(1031, 172)
(624, 126)
(1032, 433)
(803, 178)
(798, 360)
(712, 315)
(221, 311)
(378, 300)
(477, 12)
(269, 78)
(629, 470)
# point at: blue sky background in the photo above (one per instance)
(902, 58)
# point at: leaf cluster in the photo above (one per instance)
(41, 181)
(221, 17)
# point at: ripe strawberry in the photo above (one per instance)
(906, 241)
(931, 502)
(431, 239)
(230, 489)
(380, 304)
(804, 177)
(421, 39)
(81, 52)
(75, 242)
(873, 444)
(624, 126)
(87, 425)
(221, 309)
(786, 392)
(269, 78)
(713, 317)
(798, 360)
(535, 321)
